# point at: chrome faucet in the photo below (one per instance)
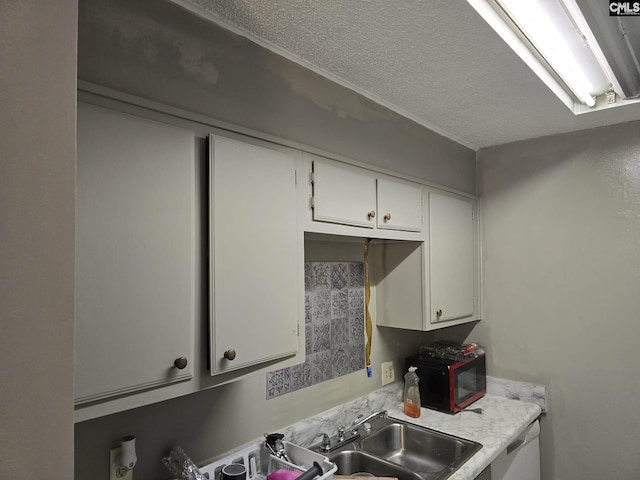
(326, 442)
(329, 444)
(360, 421)
(345, 435)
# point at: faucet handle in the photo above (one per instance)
(340, 434)
(326, 442)
(355, 420)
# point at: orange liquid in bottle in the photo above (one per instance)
(411, 410)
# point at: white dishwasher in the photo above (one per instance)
(521, 459)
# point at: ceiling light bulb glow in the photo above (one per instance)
(540, 30)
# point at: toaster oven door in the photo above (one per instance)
(469, 382)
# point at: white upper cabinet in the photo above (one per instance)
(148, 224)
(432, 283)
(135, 242)
(343, 194)
(346, 195)
(453, 253)
(399, 205)
(255, 254)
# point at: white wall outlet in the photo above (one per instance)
(388, 375)
(115, 471)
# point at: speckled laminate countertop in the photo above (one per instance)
(501, 421)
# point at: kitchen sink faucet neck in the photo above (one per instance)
(358, 421)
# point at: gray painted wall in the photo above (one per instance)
(158, 51)
(561, 218)
(37, 189)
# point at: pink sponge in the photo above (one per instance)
(283, 475)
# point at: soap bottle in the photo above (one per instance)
(411, 393)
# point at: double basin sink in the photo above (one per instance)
(394, 448)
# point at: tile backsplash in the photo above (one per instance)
(334, 327)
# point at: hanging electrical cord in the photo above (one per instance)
(367, 296)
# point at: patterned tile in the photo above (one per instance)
(339, 303)
(334, 327)
(339, 333)
(301, 376)
(356, 299)
(308, 276)
(356, 275)
(321, 276)
(356, 315)
(321, 306)
(278, 382)
(320, 367)
(308, 338)
(356, 331)
(321, 335)
(340, 363)
(356, 357)
(339, 275)
(307, 307)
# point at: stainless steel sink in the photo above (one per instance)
(394, 448)
(418, 449)
(358, 463)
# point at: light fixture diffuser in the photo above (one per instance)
(541, 30)
(554, 40)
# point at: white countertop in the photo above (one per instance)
(501, 422)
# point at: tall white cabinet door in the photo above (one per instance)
(343, 194)
(134, 297)
(451, 243)
(399, 206)
(254, 244)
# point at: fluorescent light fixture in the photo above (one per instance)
(541, 31)
(553, 38)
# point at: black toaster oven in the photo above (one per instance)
(449, 385)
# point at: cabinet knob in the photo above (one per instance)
(387, 217)
(180, 363)
(371, 214)
(230, 354)
(439, 313)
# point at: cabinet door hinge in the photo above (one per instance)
(298, 329)
(312, 177)
(311, 203)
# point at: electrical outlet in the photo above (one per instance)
(388, 374)
(115, 471)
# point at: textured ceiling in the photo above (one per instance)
(434, 61)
